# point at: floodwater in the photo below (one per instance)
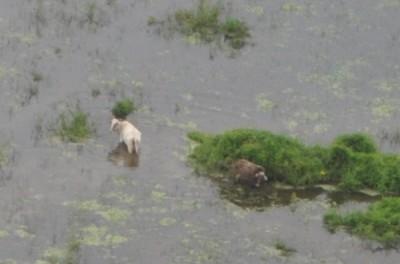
(316, 68)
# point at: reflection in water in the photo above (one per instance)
(270, 194)
(121, 157)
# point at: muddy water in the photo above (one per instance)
(316, 69)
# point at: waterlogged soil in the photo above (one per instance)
(314, 69)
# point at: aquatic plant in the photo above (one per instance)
(283, 248)
(74, 126)
(123, 108)
(352, 161)
(202, 21)
(235, 32)
(380, 222)
(67, 255)
(205, 23)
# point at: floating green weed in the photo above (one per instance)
(100, 236)
(74, 126)
(67, 255)
(123, 108)
(109, 213)
(167, 221)
(380, 222)
(352, 161)
(263, 103)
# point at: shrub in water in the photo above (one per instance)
(235, 32)
(380, 222)
(74, 126)
(123, 108)
(202, 21)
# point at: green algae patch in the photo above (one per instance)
(111, 214)
(167, 221)
(100, 236)
(352, 161)
(67, 255)
(380, 222)
(3, 233)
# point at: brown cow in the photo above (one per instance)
(247, 172)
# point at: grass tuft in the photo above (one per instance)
(284, 249)
(380, 222)
(74, 126)
(206, 23)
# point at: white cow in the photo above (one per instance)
(128, 134)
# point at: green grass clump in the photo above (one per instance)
(235, 32)
(74, 126)
(351, 161)
(206, 23)
(284, 249)
(380, 222)
(203, 21)
(123, 108)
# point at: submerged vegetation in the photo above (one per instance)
(67, 255)
(380, 222)
(123, 108)
(352, 161)
(74, 126)
(284, 249)
(207, 23)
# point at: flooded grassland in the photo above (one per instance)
(312, 69)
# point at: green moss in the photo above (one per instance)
(352, 161)
(380, 222)
(73, 126)
(123, 108)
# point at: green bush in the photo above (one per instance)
(123, 108)
(74, 127)
(380, 222)
(352, 164)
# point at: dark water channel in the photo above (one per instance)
(317, 68)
